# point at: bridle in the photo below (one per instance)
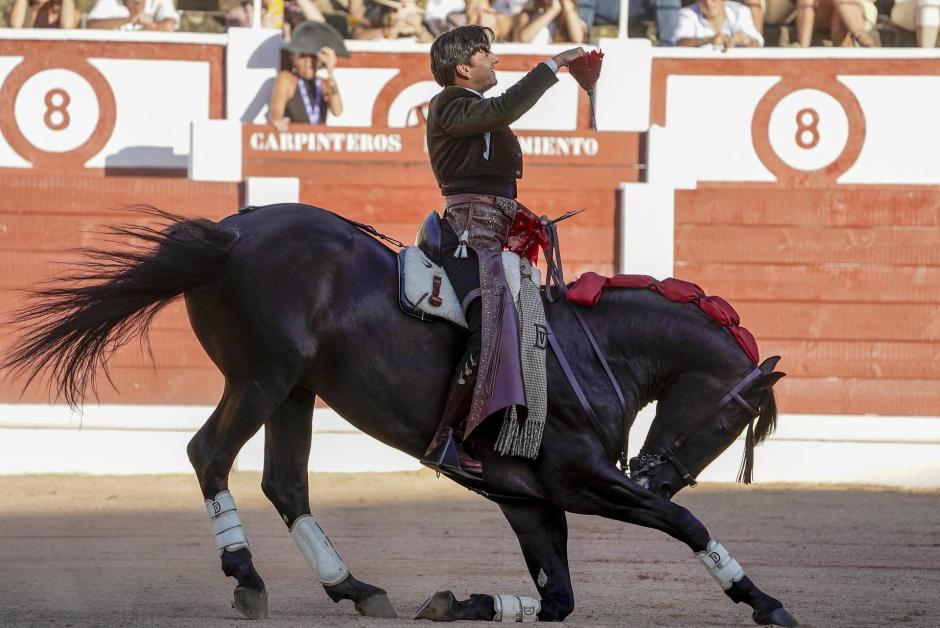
(640, 465)
(646, 462)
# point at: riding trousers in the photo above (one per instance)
(476, 226)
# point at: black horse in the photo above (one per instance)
(291, 301)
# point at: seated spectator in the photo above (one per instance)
(805, 22)
(665, 12)
(927, 22)
(295, 12)
(44, 14)
(717, 23)
(134, 15)
(498, 16)
(848, 21)
(441, 16)
(393, 19)
(756, 7)
(298, 94)
(548, 21)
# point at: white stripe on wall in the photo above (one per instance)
(131, 439)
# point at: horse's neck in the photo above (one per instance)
(660, 340)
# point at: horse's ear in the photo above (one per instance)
(769, 364)
(768, 380)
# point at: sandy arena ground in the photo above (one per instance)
(138, 551)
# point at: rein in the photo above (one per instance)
(651, 461)
(556, 277)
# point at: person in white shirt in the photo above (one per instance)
(134, 15)
(717, 23)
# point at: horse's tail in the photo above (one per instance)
(72, 325)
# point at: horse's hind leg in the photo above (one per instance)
(286, 453)
(543, 535)
(212, 452)
(612, 495)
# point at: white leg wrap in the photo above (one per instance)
(229, 532)
(318, 550)
(719, 563)
(516, 608)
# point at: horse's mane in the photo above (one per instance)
(767, 421)
(756, 434)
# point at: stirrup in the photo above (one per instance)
(444, 459)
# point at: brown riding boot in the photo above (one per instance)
(446, 453)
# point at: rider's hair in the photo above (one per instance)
(455, 48)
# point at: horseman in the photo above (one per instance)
(476, 160)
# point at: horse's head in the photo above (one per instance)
(698, 416)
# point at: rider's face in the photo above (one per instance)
(481, 72)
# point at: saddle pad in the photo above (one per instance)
(416, 274)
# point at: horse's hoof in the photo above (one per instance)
(777, 617)
(437, 607)
(251, 603)
(377, 606)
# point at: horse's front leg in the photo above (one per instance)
(286, 453)
(543, 535)
(611, 494)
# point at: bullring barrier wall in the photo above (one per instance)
(822, 241)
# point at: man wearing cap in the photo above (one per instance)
(476, 160)
(298, 96)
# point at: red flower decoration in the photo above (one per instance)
(527, 235)
(586, 69)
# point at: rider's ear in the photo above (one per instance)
(768, 380)
(462, 71)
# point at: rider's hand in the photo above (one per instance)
(281, 124)
(564, 58)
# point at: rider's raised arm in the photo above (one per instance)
(462, 116)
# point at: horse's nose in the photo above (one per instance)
(665, 490)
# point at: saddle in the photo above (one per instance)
(425, 291)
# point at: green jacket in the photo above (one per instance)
(458, 123)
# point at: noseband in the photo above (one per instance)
(644, 463)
